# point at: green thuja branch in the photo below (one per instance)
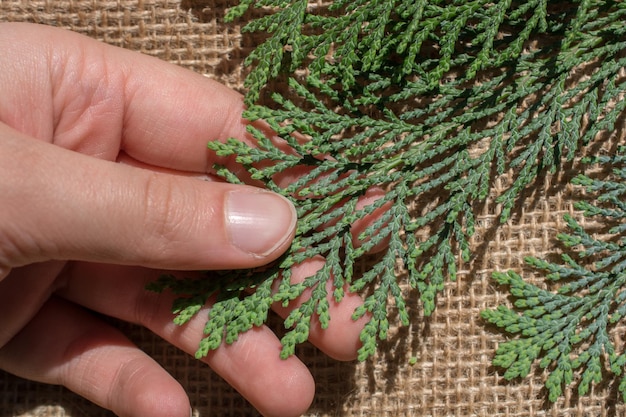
(568, 331)
(429, 100)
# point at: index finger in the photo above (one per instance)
(172, 113)
(99, 99)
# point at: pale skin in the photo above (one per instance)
(101, 151)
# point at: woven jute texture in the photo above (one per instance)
(452, 374)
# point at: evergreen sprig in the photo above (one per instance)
(430, 100)
(568, 331)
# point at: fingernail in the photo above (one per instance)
(259, 222)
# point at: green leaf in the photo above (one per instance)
(433, 102)
(574, 322)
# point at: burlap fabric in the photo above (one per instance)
(452, 376)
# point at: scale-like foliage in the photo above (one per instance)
(431, 100)
(568, 331)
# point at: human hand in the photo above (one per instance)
(80, 232)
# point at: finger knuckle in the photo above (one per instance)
(163, 217)
(17, 248)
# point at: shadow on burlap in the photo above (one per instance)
(451, 374)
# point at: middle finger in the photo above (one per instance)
(250, 365)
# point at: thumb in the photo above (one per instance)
(59, 204)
